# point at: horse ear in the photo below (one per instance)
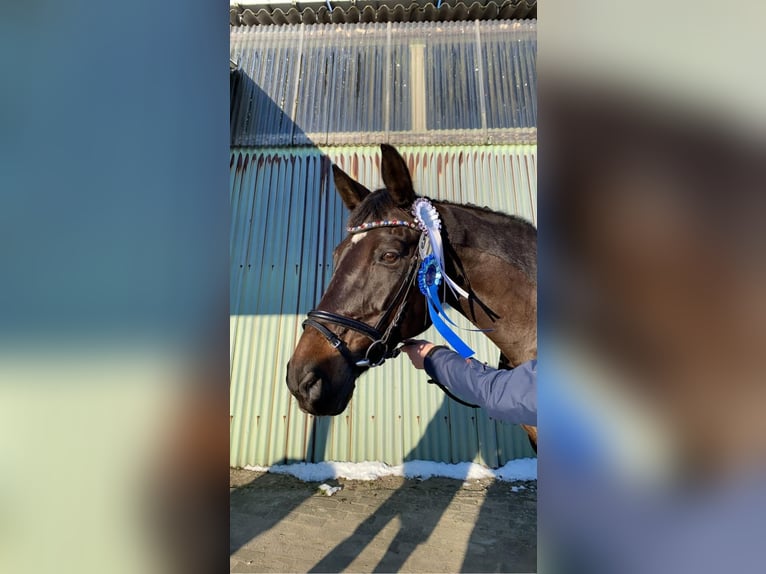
(396, 176)
(351, 191)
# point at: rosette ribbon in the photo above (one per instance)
(428, 220)
(429, 277)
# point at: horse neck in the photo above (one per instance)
(494, 258)
(468, 228)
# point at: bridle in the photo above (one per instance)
(380, 350)
(380, 335)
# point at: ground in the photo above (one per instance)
(281, 524)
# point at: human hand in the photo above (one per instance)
(416, 350)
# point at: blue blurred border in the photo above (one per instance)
(114, 139)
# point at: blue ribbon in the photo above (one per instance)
(429, 278)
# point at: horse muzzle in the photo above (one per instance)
(318, 394)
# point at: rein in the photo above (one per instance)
(379, 350)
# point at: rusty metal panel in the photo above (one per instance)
(401, 83)
(286, 219)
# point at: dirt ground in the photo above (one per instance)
(281, 524)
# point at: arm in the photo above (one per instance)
(509, 396)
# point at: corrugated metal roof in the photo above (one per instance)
(460, 82)
(354, 11)
(286, 219)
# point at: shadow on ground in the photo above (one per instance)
(390, 524)
(279, 523)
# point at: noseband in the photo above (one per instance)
(379, 349)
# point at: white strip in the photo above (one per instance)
(519, 469)
(358, 237)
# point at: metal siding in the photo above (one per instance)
(339, 84)
(286, 219)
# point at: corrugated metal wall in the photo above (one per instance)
(413, 85)
(400, 83)
(286, 219)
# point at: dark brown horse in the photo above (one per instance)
(373, 303)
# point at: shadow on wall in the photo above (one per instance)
(255, 119)
(286, 216)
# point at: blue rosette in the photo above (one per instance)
(429, 278)
(429, 274)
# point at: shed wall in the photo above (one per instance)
(399, 83)
(286, 219)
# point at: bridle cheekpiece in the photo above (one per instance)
(379, 350)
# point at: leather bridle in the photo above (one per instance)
(380, 335)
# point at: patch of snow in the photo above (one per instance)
(520, 469)
(460, 471)
(329, 490)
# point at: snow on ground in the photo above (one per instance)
(329, 490)
(519, 469)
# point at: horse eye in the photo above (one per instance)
(390, 257)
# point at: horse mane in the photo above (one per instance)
(487, 211)
(511, 238)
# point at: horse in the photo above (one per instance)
(373, 302)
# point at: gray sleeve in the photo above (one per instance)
(509, 396)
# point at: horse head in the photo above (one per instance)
(372, 301)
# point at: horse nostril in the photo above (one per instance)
(311, 386)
